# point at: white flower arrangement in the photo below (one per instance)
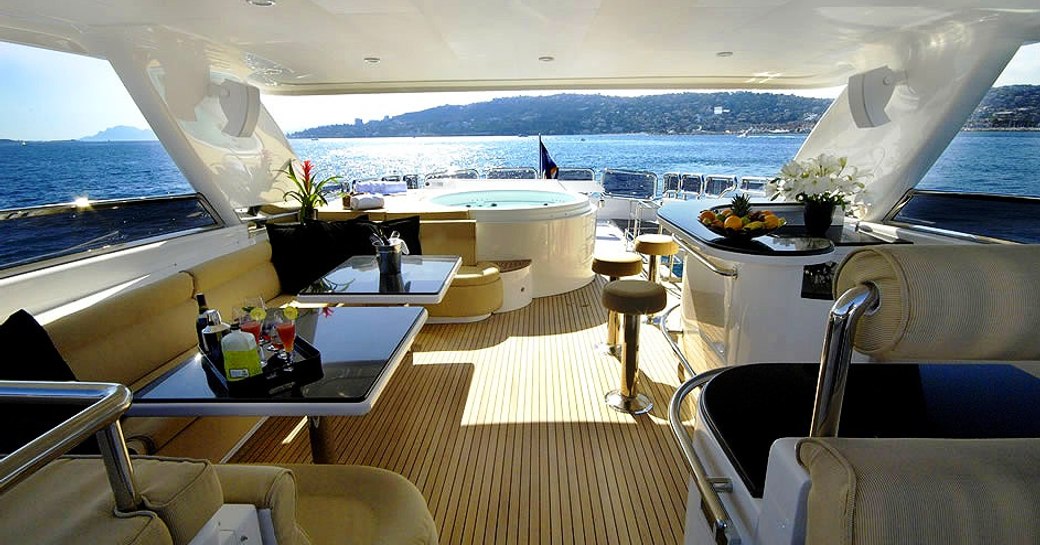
(824, 179)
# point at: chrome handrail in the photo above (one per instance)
(714, 511)
(731, 273)
(662, 324)
(101, 417)
(837, 356)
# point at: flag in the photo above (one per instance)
(546, 166)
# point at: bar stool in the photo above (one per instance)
(613, 266)
(655, 246)
(632, 298)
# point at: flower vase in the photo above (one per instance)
(307, 213)
(818, 218)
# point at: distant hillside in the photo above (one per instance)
(120, 133)
(1010, 107)
(681, 113)
(1014, 106)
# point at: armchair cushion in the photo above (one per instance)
(950, 491)
(346, 505)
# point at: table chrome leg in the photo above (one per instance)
(323, 448)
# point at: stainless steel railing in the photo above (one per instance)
(703, 260)
(107, 403)
(837, 356)
(662, 324)
(714, 511)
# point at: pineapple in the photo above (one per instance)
(741, 206)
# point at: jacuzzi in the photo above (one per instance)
(555, 229)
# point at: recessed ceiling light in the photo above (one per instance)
(261, 3)
(724, 54)
(547, 58)
(372, 60)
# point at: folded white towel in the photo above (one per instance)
(385, 188)
(366, 201)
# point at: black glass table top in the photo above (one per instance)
(357, 345)
(789, 240)
(748, 407)
(423, 280)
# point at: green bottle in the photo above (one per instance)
(241, 357)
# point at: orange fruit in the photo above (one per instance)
(771, 221)
(707, 216)
(733, 222)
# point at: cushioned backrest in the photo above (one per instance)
(450, 237)
(228, 280)
(950, 302)
(127, 336)
(69, 501)
(934, 491)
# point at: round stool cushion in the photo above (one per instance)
(634, 296)
(651, 244)
(617, 264)
(476, 275)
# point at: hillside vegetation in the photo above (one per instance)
(1016, 106)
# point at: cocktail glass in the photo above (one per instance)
(285, 328)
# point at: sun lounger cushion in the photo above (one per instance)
(929, 491)
(948, 302)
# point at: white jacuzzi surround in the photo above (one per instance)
(558, 238)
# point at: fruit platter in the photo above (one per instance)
(739, 221)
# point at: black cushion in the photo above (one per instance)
(408, 228)
(303, 252)
(29, 354)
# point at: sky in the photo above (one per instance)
(45, 95)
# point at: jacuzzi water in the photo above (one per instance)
(504, 198)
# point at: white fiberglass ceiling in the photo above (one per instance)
(321, 46)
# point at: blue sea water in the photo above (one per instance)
(53, 172)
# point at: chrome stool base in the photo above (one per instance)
(607, 349)
(637, 404)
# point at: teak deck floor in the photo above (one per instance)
(502, 426)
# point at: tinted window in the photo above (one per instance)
(46, 232)
(994, 216)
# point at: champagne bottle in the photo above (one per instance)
(200, 321)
